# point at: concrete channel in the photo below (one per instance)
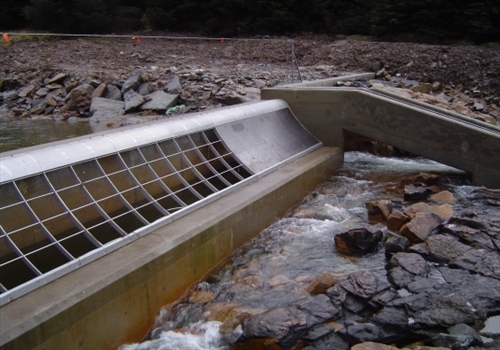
(99, 232)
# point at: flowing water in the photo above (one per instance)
(273, 269)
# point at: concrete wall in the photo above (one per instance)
(115, 299)
(461, 142)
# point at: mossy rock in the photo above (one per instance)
(425, 88)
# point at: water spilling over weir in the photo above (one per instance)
(185, 193)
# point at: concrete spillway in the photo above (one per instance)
(97, 233)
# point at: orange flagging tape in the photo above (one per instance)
(137, 39)
(6, 37)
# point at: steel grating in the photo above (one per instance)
(55, 220)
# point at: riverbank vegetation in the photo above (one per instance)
(431, 21)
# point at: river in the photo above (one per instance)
(271, 271)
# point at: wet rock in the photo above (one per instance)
(416, 193)
(332, 341)
(286, 325)
(364, 284)
(379, 211)
(485, 263)
(393, 317)
(358, 241)
(321, 283)
(132, 82)
(396, 220)
(362, 332)
(113, 93)
(420, 227)
(443, 248)
(174, 86)
(465, 330)
(159, 101)
(447, 310)
(373, 346)
(396, 244)
(443, 197)
(318, 332)
(383, 298)
(405, 268)
(483, 293)
(318, 306)
(474, 237)
(353, 304)
(132, 100)
(454, 342)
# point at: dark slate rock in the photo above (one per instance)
(104, 104)
(362, 332)
(318, 332)
(414, 193)
(159, 101)
(482, 292)
(332, 341)
(411, 262)
(443, 248)
(9, 83)
(396, 244)
(318, 306)
(447, 310)
(358, 241)
(133, 82)
(485, 263)
(420, 227)
(364, 284)
(144, 89)
(132, 100)
(420, 249)
(474, 237)
(337, 295)
(174, 86)
(383, 298)
(454, 342)
(393, 316)
(354, 304)
(113, 93)
(405, 268)
(463, 329)
(286, 325)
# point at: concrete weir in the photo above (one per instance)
(97, 233)
(434, 133)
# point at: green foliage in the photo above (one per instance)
(423, 20)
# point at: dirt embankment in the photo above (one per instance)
(470, 73)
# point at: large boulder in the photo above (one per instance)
(132, 82)
(159, 101)
(358, 241)
(443, 248)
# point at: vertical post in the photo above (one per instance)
(293, 58)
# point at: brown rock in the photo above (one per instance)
(57, 78)
(99, 91)
(396, 220)
(373, 346)
(321, 283)
(420, 227)
(379, 211)
(443, 211)
(358, 241)
(201, 297)
(443, 197)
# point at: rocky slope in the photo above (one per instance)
(60, 78)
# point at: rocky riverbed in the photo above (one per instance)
(370, 260)
(116, 82)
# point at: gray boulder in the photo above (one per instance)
(159, 101)
(133, 82)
